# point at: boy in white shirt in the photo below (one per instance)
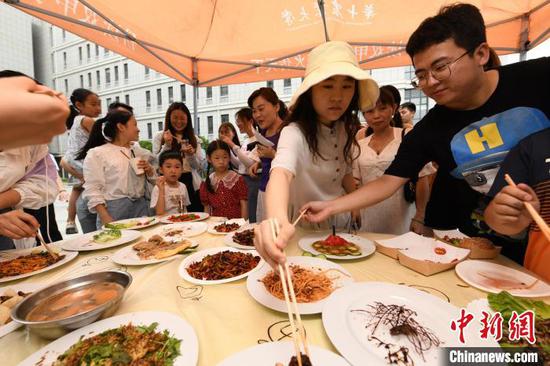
(169, 195)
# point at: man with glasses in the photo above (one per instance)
(479, 116)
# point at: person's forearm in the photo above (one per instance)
(422, 196)
(244, 209)
(70, 169)
(506, 227)
(277, 194)
(160, 207)
(206, 208)
(368, 195)
(104, 215)
(244, 159)
(349, 183)
(9, 198)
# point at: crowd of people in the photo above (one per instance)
(311, 156)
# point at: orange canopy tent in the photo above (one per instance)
(215, 42)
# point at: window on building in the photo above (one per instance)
(210, 122)
(409, 73)
(208, 94)
(224, 93)
(109, 101)
(182, 91)
(96, 51)
(417, 97)
(287, 85)
(148, 99)
(82, 81)
(225, 118)
(98, 77)
(88, 51)
(159, 97)
(89, 80)
(80, 55)
(198, 124)
(149, 130)
(170, 94)
(63, 34)
(105, 52)
(160, 125)
(125, 67)
(64, 60)
(269, 84)
(66, 81)
(147, 72)
(107, 76)
(127, 99)
(116, 74)
(117, 99)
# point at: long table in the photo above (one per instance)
(225, 317)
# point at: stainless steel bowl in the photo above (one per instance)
(56, 328)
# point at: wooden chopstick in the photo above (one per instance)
(43, 243)
(299, 217)
(534, 214)
(288, 290)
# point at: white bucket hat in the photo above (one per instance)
(337, 58)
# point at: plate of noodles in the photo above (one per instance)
(314, 280)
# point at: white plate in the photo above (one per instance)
(11, 254)
(258, 291)
(270, 353)
(450, 233)
(127, 256)
(189, 229)
(240, 222)
(26, 288)
(176, 326)
(228, 240)
(197, 257)
(468, 272)
(202, 216)
(138, 223)
(347, 331)
(85, 242)
(367, 246)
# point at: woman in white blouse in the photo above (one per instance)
(116, 171)
(247, 156)
(314, 155)
(178, 135)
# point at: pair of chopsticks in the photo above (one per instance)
(290, 298)
(43, 243)
(534, 214)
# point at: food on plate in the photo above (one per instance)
(453, 241)
(75, 301)
(223, 265)
(158, 248)
(8, 300)
(310, 284)
(503, 282)
(401, 324)
(107, 235)
(125, 345)
(129, 224)
(336, 245)
(476, 243)
(294, 361)
(245, 237)
(226, 228)
(440, 251)
(27, 263)
(183, 217)
(505, 304)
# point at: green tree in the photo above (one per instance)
(146, 144)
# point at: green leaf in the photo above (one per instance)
(505, 303)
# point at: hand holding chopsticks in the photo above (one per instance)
(43, 243)
(299, 338)
(534, 214)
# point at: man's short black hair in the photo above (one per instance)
(410, 106)
(170, 155)
(116, 105)
(12, 74)
(461, 22)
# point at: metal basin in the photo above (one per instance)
(52, 329)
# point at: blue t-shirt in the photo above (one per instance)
(266, 162)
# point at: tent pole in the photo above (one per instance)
(524, 37)
(321, 4)
(196, 96)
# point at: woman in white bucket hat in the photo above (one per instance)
(315, 151)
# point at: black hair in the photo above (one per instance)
(78, 95)
(213, 146)
(269, 95)
(304, 115)
(116, 105)
(410, 106)
(169, 155)
(11, 74)
(387, 97)
(246, 113)
(232, 128)
(188, 131)
(102, 129)
(397, 120)
(462, 23)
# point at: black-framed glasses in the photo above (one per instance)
(439, 73)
